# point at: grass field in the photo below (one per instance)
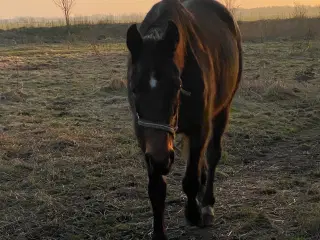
(70, 167)
(106, 33)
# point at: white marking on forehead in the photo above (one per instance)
(153, 82)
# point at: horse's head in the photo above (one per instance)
(154, 86)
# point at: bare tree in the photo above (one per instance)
(300, 11)
(66, 7)
(232, 5)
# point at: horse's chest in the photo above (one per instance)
(191, 112)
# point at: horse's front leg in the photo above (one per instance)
(157, 190)
(191, 182)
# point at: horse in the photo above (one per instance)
(184, 67)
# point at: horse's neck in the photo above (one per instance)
(180, 55)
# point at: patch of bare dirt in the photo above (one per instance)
(11, 62)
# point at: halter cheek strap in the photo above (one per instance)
(185, 92)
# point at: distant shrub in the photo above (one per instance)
(232, 5)
(300, 11)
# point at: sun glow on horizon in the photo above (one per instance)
(46, 8)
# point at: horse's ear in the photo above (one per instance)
(171, 39)
(134, 41)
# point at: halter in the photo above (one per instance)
(159, 126)
(164, 127)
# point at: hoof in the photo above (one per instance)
(159, 236)
(207, 216)
(193, 214)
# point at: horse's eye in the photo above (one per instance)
(135, 88)
(134, 91)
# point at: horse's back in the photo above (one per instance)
(220, 32)
(218, 27)
(207, 12)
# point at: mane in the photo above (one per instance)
(191, 41)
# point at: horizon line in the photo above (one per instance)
(136, 13)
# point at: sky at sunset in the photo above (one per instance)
(46, 8)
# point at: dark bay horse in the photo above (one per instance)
(184, 68)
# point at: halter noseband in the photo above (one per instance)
(160, 126)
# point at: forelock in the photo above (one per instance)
(153, 34)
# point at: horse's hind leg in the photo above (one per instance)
(193, 146)
(213, 157)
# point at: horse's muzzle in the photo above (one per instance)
(160, 165)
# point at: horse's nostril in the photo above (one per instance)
(159, 165)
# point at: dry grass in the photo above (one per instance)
(60, 22)
(302, 29)
(70, 167)
(281, 29)
(283, 12)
